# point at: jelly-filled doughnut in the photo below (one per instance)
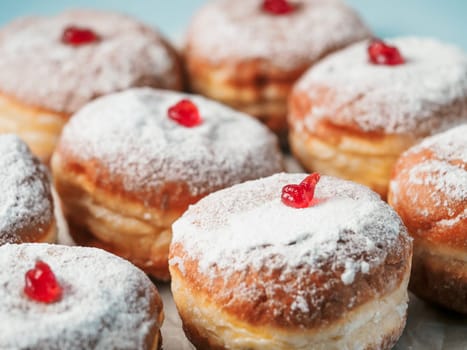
(51, 66)
(249, 53)
(354, 113)
(429, 191)
(291, 262)
(58, 297)
(129, 164)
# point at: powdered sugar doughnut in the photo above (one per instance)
(43, 80)
(26, 207)
(243, 55)
(92, 312)
(250, 272)
(429, 190)
(126, 171)
(353, 119)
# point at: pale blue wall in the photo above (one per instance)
(445, 19)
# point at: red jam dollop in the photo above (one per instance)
(185, 113)
(77, 36)
(301, 195)
(383, 54)
(41, 284)
(277, 7)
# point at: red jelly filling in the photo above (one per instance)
(77, 36)
(41, 284)
(381, 53)
(185, 113)
(301, 195)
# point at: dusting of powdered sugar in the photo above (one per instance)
(227, 30)
(444, 172)
(131, 135)
(26, 201)
(443, 177)
(38, 69)
(449, 146)
(105, 302)
(248, 227)
(425, 95)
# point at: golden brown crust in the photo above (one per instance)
(257, 310)
(343, 151)
(207, 327)
(168, 197)
(427, 224)
(116, 221)
(42, 233)
(251, 60)
(204, 342)
(38, 127)
(428, 190)
(255, 87)
(200, 341)
(438, 276)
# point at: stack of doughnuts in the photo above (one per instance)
(249, 272)
(52, 66)
(126, 171)
(26, 206)
(429, 191)
(352, 119)
(249, 53)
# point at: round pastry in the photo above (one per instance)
(252, 271)
(429, 191)
(249, 53)
(52, 66)
(355, 112)
(59, 297)
(128, 165)
(26, 207)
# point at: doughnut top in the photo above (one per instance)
(429, 185)
(248, 228)
(130, 135)
(227, 30)
(423, 96)
(26, 202)
(107, 303)
(38, 69)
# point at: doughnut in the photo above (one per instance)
(75, 303)
(126, 170)
(428, 189)
(52, 66)
(352, 118)
(26, 207)
(245, 54)
(249, 272)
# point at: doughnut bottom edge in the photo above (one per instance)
(439, 275)
(208, 327)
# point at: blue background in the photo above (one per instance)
(445, 19)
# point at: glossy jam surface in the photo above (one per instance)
(185, 113)
(277, 7)
(301, 195)
(77, 36)
(41, 285)
(383, 54)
